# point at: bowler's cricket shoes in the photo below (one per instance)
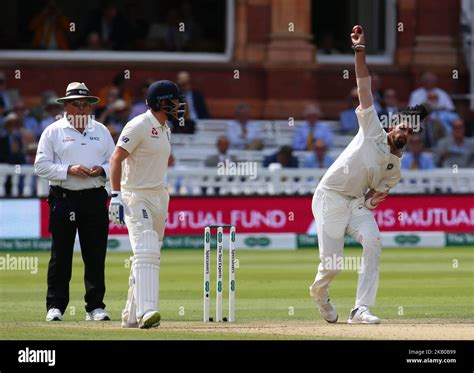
(54, 314)
(327, 310)
(151, 319)
(99, 314)
(362, 315)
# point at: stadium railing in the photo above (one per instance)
(261, 181)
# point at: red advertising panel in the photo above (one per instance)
(448, 213)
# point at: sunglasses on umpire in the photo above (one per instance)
(80, 104)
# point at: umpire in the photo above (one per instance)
(73, 154)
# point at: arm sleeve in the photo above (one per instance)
(369, 121)
(364, 89)
(131, 136)
(108, 150)
(44, 162)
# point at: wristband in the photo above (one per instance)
(358, 47)
(368, 204)
(116, 194)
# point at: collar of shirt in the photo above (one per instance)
(154, 121)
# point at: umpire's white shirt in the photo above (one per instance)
(366, 162)
(61, 146)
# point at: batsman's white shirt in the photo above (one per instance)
(148, 143)
(366, 162)
(143, 175)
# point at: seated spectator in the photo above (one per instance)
(377, 92)
(244, 133)
(390, 103)
(415, 158)
(50, 28)
(428, 83)
(12, 145)
(2, 112)
(140, 107)
(54, 111)
(112, 26)
(195, 102)
(27, 121)
(116, 115)
(195, 105)
(284, 157)
(222, 155)
(39, 111)
(319, 158)
(8, 95)
(348, 118)
(93, 42)
(119, 86)
(439, 113)
(312, 129)
(455, 150)
(112, 96)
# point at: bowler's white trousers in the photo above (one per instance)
(335, 215)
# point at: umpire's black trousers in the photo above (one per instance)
(84, 211)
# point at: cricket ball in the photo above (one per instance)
(357, 29)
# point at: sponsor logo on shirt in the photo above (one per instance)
(125, 139)
(94, 138)
(145, 214)
(68, 138)
(154, 132)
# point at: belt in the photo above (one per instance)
(59, 192)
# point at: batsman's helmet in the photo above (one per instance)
(160, 95)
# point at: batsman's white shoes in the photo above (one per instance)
(99, 314)
(150, 319)
(54, 314)
(362, 315)
(327, 310)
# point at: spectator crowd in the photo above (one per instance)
(443, 142)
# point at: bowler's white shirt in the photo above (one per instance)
(148, 143)
(61, 146)
(366, 162)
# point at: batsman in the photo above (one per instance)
(357, 182)
(140, 200)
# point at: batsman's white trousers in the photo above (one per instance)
(146, 210)
(336, 215)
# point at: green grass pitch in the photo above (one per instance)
(272, 287)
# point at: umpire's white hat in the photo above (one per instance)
(76, 90)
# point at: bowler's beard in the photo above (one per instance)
(399, 144)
